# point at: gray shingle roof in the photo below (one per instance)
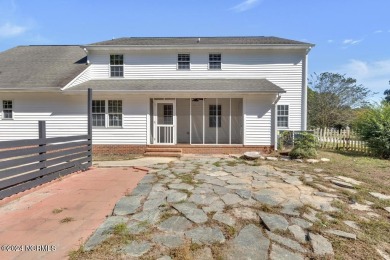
(155, 41)
(181, 85)
(40, 67)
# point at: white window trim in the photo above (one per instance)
(107, 117)
(288, 117)
(123, 65)
(177, 61)
(12, 111)
(208, 61)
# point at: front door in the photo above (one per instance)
(164, 120)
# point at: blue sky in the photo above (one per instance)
(351, 36)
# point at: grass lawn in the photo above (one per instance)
(375, 175)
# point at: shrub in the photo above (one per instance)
(305, 146)
(373, 126)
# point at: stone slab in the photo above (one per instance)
(341, 234)
(175, 224)
(280, 253)
(249, 244)
(191, 212)
(380, 196)
(127, 205)
(273, 221)
(321, 246)
(205, 235)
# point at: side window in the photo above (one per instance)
(215, 116)
(7, 109)
(116, 65)
(283, 116)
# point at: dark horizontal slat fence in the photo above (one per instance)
(25, 164)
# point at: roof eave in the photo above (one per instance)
(200, 46)
(70, 90)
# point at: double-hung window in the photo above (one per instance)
(215, 116)
(215, 61)
(282, 116)
(7, 109)
(116, 65)
(114, 113)
(99, 113)
(183, 61)
(107, 114)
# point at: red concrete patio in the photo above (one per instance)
(86, 198)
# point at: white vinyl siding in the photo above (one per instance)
(258, 120)
(282, 67)
(66, 115)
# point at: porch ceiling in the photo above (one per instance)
(181, 85)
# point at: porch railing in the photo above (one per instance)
(165, 134)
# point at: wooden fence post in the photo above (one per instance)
(42, 136)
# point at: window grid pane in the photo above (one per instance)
(215, 61)
(7, 109)
(183, 61)
(98, 113)
(115, 113)
(116, 65)
(282, 113)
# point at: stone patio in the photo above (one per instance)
(247, 212)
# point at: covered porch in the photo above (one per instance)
(199, 120)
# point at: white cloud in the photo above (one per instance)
(8, 30)
(378, 31)
(330, 41)
(352, 41)
(373, 75)
(246, 5)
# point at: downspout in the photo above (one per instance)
(275, 133)
(304, 92)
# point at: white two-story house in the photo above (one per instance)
(198, 94)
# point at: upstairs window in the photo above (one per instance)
(114, 113)
(183, 61)
(215, 116)
(98, 113)
(283, 116)
(7, 109)
(116, 65)
(215, 61)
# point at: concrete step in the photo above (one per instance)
(163, 154)
(164, 149)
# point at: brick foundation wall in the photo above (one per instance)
(186, 149)
(118, 149)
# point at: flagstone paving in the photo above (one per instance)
(243, 210)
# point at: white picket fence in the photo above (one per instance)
(344, 139)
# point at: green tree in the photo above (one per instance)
(373, 126)
(332, 99)
(387, 95)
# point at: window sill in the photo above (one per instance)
(10, 119)
(117, 77)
